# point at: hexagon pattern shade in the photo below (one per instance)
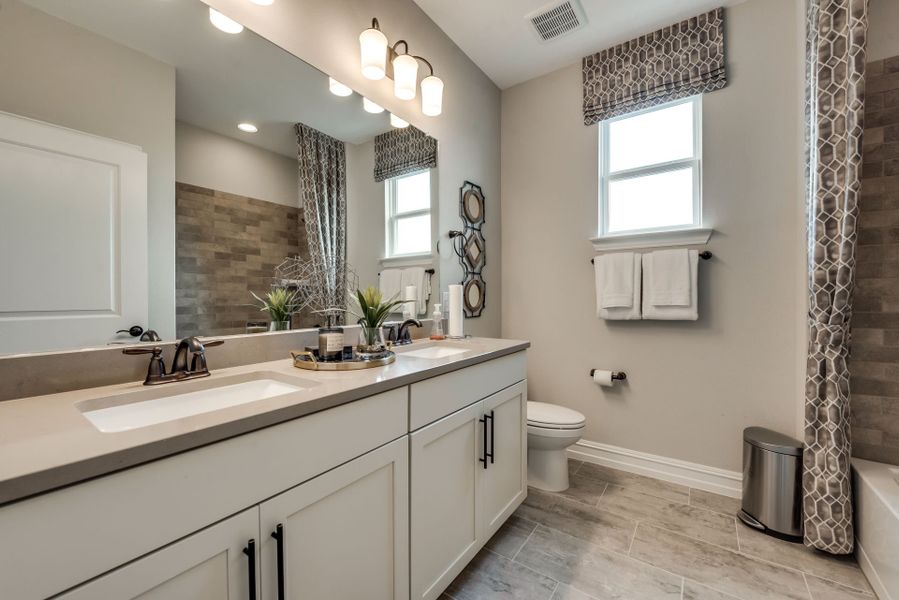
(835, 80)
(677, 61)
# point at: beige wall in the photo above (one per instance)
(326, 34)
(55, 72)
(883, 29)
(692, 386)
(218, 162)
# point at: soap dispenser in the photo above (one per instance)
(437, 327)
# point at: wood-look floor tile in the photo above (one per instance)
(566, 592)
(490, 576)
(726, 570)
(648, 485)
(822, 589)
(595, 571)
(584, 489)
(697, 591)
(602, 527)
(692, 521)
(716, 502)
(841, 569)
(511, 536)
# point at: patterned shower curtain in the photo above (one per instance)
(322, 175)
(835, 87)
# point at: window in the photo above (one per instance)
(650, 169)
(408, 214)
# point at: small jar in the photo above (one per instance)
(330, 344)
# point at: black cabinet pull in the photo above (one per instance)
(484, 458)
(278, 534)
(250, 551)
(492, 435)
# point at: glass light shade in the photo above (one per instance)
(371, 107)
(398, 122)
(431, 96)
(339, 89)
(405, 77)
(223, 23)
(247, 127)
(373, 49)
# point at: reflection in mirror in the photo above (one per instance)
(159, 187)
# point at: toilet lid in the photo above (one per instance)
(541, 414)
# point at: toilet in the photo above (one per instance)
(551, 430)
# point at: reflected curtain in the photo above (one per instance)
(322, 178)
(835, 70)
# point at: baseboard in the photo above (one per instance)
(868, 569)
(703, 477)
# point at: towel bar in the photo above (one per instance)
(704, 255)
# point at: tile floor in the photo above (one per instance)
(615, 535)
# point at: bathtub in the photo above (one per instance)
(877, 524)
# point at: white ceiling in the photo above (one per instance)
(497, 37)
(224, 79)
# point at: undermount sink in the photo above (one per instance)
(169, 402)
(436, 351)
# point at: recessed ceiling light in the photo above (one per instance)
(263, 2)
(224, 23)
(247, 127)
(339, 89)
(371, 107)
(398, 122)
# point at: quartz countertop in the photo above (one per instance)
(46, 442)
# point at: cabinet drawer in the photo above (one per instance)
(62, 538)
(435, 398)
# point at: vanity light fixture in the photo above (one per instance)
(247, 127)
(381, 60)
(371, 107)
(339, 89)
(223, 23)
(398, 122)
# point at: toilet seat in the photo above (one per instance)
(542, 415)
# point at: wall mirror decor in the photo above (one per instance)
(162, 167)
(470, 246)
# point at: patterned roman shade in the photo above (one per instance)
(674, 62)
(403, 151)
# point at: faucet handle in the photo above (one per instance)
(212, 343)
(156, 351)
(156, 369)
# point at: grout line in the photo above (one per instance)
(552, 594)
(807, 587)
(682, 586)
(633, 537)
(737, 531)
(522, 565)
(525, 543)
(690, 497)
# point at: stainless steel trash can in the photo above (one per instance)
(772, 482)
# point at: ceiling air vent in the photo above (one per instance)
(556, 20)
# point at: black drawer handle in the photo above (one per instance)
(250, 551)
(483, 459)
(492, 436)
(278, 534)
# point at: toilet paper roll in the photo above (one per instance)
(603, 378)
(456, 317)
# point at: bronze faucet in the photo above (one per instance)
(403, 335)
(191, 346)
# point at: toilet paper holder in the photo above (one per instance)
(616, 375)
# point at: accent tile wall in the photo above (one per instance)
(874, 361)
(227, 246)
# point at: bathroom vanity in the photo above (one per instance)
(378, 484)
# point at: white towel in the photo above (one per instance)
(390, 284)
(616, 280)
(670, 284)
(631, 309)
(689, 312)
(416, 276)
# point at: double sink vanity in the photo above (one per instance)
(264, 481)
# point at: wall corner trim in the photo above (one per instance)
(655, 239)
(694, 475)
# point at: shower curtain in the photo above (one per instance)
(835, 65)
(322, 177)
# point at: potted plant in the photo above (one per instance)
(280, 304)
(373, 311)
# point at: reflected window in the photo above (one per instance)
(650, 169)
(409, 214)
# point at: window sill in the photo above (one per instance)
(408, 260)
(655, 239)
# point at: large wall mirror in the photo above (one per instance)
(152, 176)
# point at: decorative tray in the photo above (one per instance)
(307, 359)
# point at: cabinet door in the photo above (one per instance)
(344, 534)
(208, 565)
(445, 521)
(504, 482)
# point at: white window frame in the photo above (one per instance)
(392, 216)
(695, 162)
